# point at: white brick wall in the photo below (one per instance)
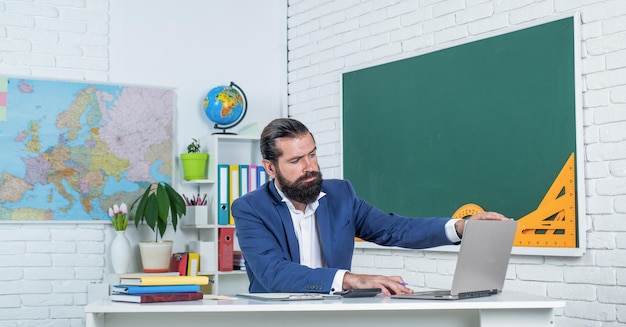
(328, 37)
(45, 272)
(45, 269)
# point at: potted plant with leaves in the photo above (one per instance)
(194, 161)
(158, 202)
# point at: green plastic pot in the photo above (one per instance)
(194, 165)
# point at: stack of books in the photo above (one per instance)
(239, 263)
(159, 288)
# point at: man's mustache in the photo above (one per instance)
(308, 175)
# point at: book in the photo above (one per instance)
(163, 280)
(157, 297)
(138, 289)
(167, 273)
(239, 263)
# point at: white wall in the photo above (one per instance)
(326, 38)
(191, 46)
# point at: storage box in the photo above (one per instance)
(207, 255)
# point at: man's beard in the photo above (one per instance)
(299, 191)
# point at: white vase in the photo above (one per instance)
(120, 253)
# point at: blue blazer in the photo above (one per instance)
(269, 245)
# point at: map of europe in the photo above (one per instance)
(71, 150)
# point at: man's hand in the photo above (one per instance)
(388, 284)
(460, 225)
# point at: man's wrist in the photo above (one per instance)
(458, 227)
(451, 231)
(338, 281)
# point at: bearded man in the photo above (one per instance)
(297, 231)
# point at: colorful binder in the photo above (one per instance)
(223, 202)
(193, 264)
(179, 263)
(225, 249)
(252, 178)
(243, 179)
(262, 176)
(234, 190)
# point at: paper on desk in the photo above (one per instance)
(217, 297)
(282, 296)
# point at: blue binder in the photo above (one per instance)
(223, 171)
(261, 176)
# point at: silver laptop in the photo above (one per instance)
(482, 262)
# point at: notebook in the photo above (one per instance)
(289, 296)
(482, 262)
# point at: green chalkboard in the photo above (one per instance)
(490, 122)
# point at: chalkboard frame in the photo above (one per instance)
(577, 121)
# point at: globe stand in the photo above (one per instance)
(223, 128)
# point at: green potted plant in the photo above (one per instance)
(194, 161)
(158, 201)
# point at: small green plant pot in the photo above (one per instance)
(194, 165)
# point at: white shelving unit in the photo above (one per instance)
(224, 149)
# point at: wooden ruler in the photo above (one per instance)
(553, 223)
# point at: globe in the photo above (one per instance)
(226, 106)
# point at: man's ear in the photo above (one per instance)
(269, 168)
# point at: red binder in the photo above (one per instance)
(179, 263)
(225, 249)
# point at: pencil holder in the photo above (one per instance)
(197, 215)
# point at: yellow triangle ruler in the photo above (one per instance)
(553, 223)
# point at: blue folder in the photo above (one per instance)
(125, 289)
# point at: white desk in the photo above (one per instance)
(508, 309)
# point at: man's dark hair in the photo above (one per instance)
(279, 128)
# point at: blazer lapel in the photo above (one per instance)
(287, 223)
(324, 226)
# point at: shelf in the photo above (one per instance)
(202, 226)
(234, 272)
(222, 273)
(231, 150)
(198, 181)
